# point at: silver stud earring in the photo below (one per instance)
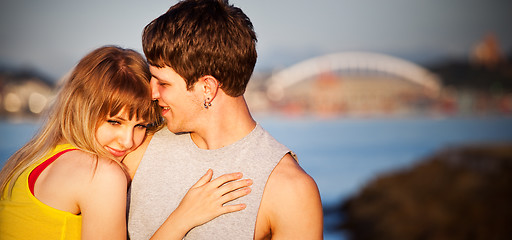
(207, 104)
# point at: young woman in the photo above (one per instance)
(69, 182)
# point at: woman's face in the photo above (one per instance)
(120, 135)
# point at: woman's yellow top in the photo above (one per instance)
(23, 216)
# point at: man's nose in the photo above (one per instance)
(154, 89)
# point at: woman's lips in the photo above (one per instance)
(115, 152)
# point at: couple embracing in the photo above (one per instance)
(201, 55)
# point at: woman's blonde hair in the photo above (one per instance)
(105, 82)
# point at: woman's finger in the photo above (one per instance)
(231, 186)
(204, 179)
(232, 208)
(235, 195)
(225, 179)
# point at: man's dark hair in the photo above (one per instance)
(204, 37)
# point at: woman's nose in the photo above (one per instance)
(125, 138)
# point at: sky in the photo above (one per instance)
(52, 35)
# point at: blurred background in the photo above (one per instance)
(367, 93)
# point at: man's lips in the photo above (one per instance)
(165, 109)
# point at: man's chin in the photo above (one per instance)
(173, 129)
(170, 128)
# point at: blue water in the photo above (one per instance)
(345, 153)
(13, 135)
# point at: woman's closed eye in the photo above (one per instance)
(114, 122)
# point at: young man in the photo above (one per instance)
(201, 55)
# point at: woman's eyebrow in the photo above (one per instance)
(119, 118)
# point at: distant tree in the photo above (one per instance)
(460, 193)
(463, 75)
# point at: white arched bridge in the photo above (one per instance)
(351, 62)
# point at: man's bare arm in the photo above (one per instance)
(291, 207)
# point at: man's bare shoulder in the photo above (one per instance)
(288, 173)
(291, 206)
(132, 160)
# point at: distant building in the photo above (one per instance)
(24, 94)
(353, 83)
(487, 52)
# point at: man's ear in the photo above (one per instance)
(210, 86)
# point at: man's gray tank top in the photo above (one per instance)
(172, 163)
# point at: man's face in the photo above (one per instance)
(180, 107)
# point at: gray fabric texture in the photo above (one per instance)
(173, 163)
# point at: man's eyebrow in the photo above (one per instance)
(160, 80)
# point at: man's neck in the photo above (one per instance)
(228, 121)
